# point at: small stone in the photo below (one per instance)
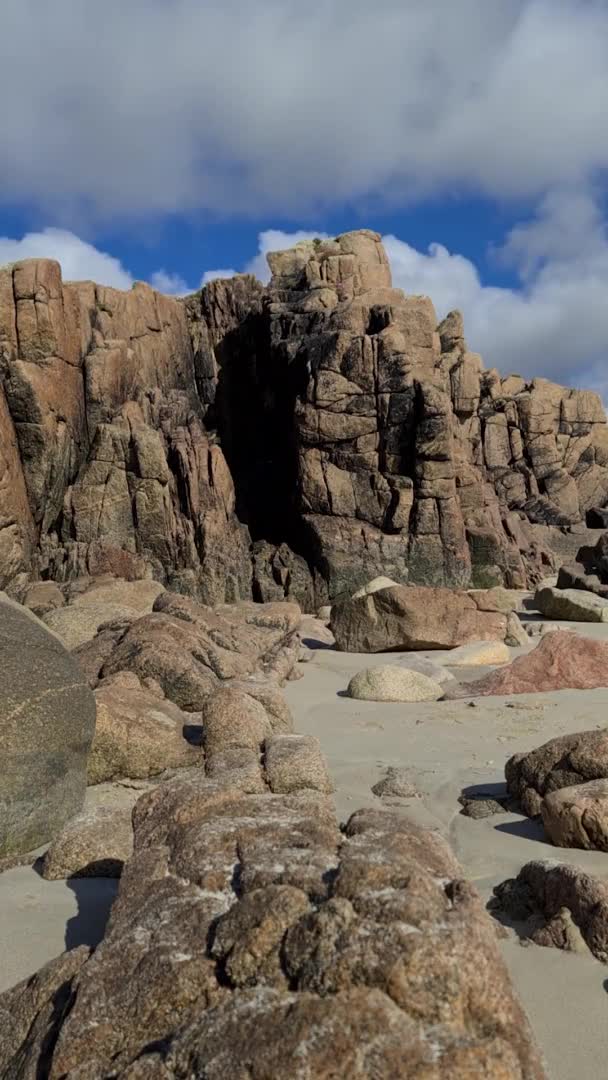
(396, 783)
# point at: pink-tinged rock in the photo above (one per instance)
(561, 661)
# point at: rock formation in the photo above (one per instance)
(284, 442)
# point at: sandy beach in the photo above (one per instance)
(446, 747)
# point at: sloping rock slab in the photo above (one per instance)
(561, 661)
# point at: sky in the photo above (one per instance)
(174, 140)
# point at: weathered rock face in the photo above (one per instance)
(590, 570)
(101, 425)
(47, 720)
(327, 418)
(245, 922)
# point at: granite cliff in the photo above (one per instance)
(289, 441)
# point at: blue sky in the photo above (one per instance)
(168, 139)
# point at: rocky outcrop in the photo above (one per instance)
(284, 442)
(561, 661)
(47, 721)
(247, 921)
(101, 425)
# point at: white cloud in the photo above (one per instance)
(271, 107)
(171, 284)
(213, 275)
(79, 260)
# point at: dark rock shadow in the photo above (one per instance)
(485, 791)
(527, 828)
(315, 645)
(94, 897)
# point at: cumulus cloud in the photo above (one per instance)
(159, 106)
(80, 261)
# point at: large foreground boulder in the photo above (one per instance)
(413, 617)
(47, 721)
(561, 661)
(563, 762)
(248, 928)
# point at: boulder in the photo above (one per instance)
(233, 720)
(138, 734)
(43, 597)
(139, 595)
(561, 661)
(393, 683)
(373, 586)
(295, 762)
(479, 653)
(47, 721)
(564, 762)
(95, 843)
(578, 816)
(412, 617)
(575, 605)
(557, 905)
(248, 927)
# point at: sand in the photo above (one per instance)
(446, 747)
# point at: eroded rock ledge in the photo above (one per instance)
(283, 442)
